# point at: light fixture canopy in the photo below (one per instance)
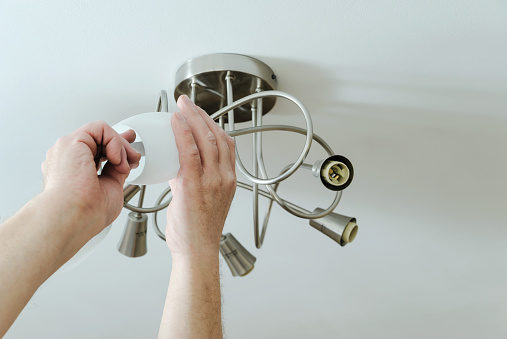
(203, 79)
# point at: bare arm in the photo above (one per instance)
(203, 192)
(76, 204)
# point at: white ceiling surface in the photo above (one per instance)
(413, 92)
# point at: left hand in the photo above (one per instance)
(70, 171)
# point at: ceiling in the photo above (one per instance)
(413, 92)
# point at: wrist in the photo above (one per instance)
(208, 257)
(192, 246)
(70, 226)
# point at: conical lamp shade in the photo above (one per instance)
(154, 131)
(133, 242)
(340, 228)
(239, 260)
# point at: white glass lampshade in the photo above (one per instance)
(154, 131)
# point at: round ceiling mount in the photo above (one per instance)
(207, 73)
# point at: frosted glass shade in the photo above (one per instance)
(160, 162)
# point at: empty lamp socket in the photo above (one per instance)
(335, 172)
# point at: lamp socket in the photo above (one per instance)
(336, 172)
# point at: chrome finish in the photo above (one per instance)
(193, 91)
(244, 131)
(255, 165)
(259, 240)
(308, 132)
(133, 242)
(209, 72)
(269, 128)
(141, 196)
(288, 207)
(267, 195)
(273, 193)
(129, 192)
(146, 209)
(340, 228)
(230, 94)
(291, 205)
(155, 221)
(163, 102)
(239, 260)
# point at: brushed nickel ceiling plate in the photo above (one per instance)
(207, 74)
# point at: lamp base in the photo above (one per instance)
(206, 76)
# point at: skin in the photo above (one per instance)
(203, 192)
(76, 204)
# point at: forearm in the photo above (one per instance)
(33, 245)
(193, 303)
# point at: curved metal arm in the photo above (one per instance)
(275, 196)
(288, 171)
(163, 102)
(155, 222)
(244, 186)
(294, 206)
(243, 131)
(146, 209)
(267, 195)
(162, 106)
(288, 128)
(308, 132)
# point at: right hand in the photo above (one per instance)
(70, 174)
(205, 185)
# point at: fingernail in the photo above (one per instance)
(180, 116)
(185, 99)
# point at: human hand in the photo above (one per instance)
(205, 185)
(70, 171)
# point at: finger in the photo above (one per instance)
(133, 156)
(188, 152)
(129, 135)
(113, 172)
(205, 139)
(221, 139)
(99, 133)
(124, 166)
(232, 147)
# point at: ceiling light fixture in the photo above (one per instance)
(232, 88)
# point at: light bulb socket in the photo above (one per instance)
(133, 242)
(340, 228)
(239, 260)
(129, 192)
(335, 173)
